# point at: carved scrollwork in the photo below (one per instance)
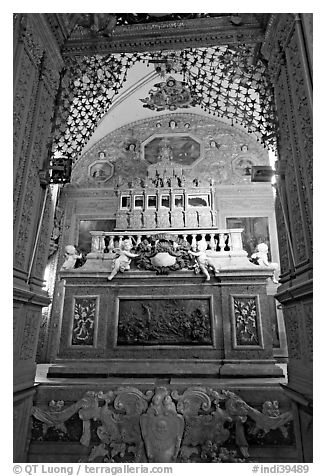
(192, 401)
(132, 400)
(149, 427)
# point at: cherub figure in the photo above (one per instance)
(71, 255)
(122, 262)
(271, 408)
(260, 258)
(201, 257)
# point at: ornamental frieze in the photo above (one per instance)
(162, 425)
(172, 35)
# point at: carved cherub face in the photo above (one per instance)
(126, 245)
(202, 245)
(262, 248)
(70, 250)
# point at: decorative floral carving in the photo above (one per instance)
(246, 327)
(282, 236)
(24, 100)
(287, 147)
(40, 119)
(209, 423)
(84, 321)
(301, 121)
(31, 328)
(308, 319)
(296, 221)
(291, 319)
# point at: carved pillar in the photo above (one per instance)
(36, 79)
(288, 50)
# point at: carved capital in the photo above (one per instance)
(278, 32)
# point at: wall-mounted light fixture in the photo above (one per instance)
(262, 173)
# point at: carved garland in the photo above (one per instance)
(164, 243)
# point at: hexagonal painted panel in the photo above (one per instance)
(185, 149)
(241, 165)
(101, 170)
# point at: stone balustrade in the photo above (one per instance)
(218, 240)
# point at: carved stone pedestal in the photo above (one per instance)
(141, 324)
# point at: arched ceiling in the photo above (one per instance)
(127, 106)
(115, 62)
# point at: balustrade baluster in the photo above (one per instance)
(221, 241)
(101, 243)
(111, 243)
(212, 242)
(96, 243)
(93, 244)
(193, 243)
(120, 241)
